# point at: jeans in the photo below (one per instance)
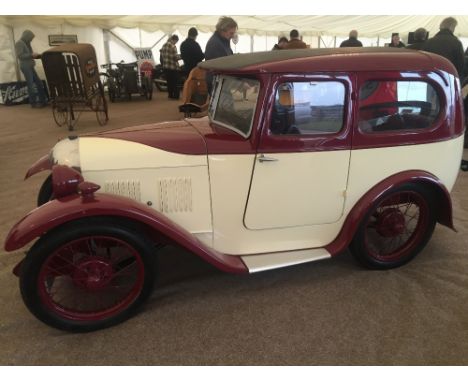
(36, 90)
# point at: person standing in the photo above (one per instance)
(352, 41)
(294, 41)
(26, 57)
(396, 43)
(419, 39)
(190, 51)
(282, 42)
(170, 64)
(219, 44)
(446, 44)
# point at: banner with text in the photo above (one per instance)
(145, 60)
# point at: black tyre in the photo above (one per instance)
(45, 192)
(88, 274)
(396, 228)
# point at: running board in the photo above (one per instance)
(266, 261)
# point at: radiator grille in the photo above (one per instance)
(128, 188)
(175, 195)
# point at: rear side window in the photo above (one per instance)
(313, 107)
(397, 106)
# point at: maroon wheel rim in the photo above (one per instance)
(91, 278)
(397, 226)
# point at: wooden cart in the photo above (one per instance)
(74, 85)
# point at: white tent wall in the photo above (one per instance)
(7, 61)
(86, 34)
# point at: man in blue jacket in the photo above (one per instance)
(219, 45)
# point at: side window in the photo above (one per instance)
(315, 107)
(397, 106)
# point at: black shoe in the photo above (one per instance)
(464, 165)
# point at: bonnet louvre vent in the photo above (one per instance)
(128, 188)
(175, 195)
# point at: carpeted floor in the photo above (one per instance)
(325, 313)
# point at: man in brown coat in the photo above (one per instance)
(294, 41)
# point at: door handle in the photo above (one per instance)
(262, 158)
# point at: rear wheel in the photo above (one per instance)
(396, 228)
(60, 114)
(88, 274)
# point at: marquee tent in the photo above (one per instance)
(115, 37)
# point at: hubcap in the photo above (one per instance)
(93, 273)
(390, 222)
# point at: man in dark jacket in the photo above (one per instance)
(219, 44)
(419, 39)
(352, 41)
(26, 56)
(190, 51)
(446, 44)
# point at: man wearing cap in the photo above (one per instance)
(190, 51)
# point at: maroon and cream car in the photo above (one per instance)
(303, 154)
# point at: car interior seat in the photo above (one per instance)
(195, 93)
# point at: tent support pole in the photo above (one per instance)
(157, 42)
(121, 39)
(105, 36)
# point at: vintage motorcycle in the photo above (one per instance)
(124, 79)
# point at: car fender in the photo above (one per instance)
(357, 213)
(41, 164)
(60, 211)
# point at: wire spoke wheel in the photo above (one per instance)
(399, 225)
(60, 114)
(99, 106)
(396, 228)
(91, 278)
(88, 274)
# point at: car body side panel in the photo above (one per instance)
(230, 182)
(370, 166)
(298, 189)
(179, 188)
(182, 193)
(98, 154)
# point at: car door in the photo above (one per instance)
(301, 166)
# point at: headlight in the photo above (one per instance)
(66, 152)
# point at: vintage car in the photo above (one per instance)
(304, 153)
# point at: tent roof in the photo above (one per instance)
(335, 25)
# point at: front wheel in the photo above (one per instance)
(46, 193)
(88, 274)
(396, 228)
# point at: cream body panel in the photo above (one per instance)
(175, 184)
(370, 166)
(188, 206)
(117, 154)
(267, 261)
(230, 177)
(298, 189)
(230, 180)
